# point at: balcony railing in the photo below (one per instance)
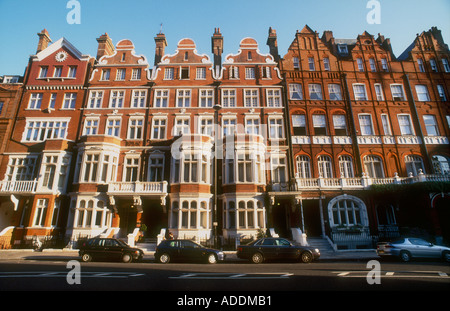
(363, 182)
(138, 187)
(18, 186)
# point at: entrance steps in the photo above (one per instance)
(322, 244)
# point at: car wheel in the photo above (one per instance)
(127, 258)
(86, 257)
(405, 256)
(306, 257)
(446, 256)
(212, 259)
(164, 258)
(257, 258)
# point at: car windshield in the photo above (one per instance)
(121, 243)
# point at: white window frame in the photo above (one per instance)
(398, 92)
(105, 75)
(357, 92)
(422, 93)
(69, 101)
(114, 127)
(251, 98)
(378, 91)
(135, 128)
(136, 74)
(386, 124)
(158, 125)
(250, 73)
(274, 98)
(41, 129)
(138, 98)
(366, 124)
(295, 91)
(405, 125)
(441, 92)
(431, 125)
(35, 101)
(131, 168)
(206, 98)
(276, 127)
(95, 99)
(200, 73)
(169, 73)
(161, 98)
(116, 99)
(315, 90)
(183, 99)
(182, 124)
(334, 91)
(346, 166)
(91, 125)
(120, 74)
(229, 98)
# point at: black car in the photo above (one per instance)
(104, 249)
(276, 248)
(186, 250)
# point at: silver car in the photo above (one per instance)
(407, 248)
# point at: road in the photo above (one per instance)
(236, 276)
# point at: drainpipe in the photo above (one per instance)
(352, 124)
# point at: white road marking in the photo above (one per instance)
(231, 276)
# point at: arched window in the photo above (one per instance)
(347, 210)
(373, 166)
(346, 166)
(303, 167)
(325, 167)
(414, 165)
(441, 164)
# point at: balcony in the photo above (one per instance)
(18, 186)
(361, 183)
(138, 188)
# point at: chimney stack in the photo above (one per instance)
(161, 43)
(105, 46)
(44, 40)
(217, 47)
(273, 44)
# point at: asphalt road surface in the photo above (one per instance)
(63, 275)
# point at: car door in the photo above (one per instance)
(113, 250)
(190, 251)
(269, 248)
(425, 249)
(285, 249)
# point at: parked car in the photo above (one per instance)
(186, 250)
(104, 249)
(276, 248)
(408, 248)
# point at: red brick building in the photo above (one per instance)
(359, 117)
(37, 157)
(339, 139)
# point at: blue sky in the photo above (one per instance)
(139, 21)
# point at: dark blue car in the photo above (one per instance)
(186, 250)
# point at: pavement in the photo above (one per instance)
(72, 254)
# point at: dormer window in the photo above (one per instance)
(249, 56)
(43, 72)
(342, 48)
(123, 57)
(184, 73)
(58, 71)
(186, 55)
(72, 72)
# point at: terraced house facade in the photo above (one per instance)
(338, 139)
